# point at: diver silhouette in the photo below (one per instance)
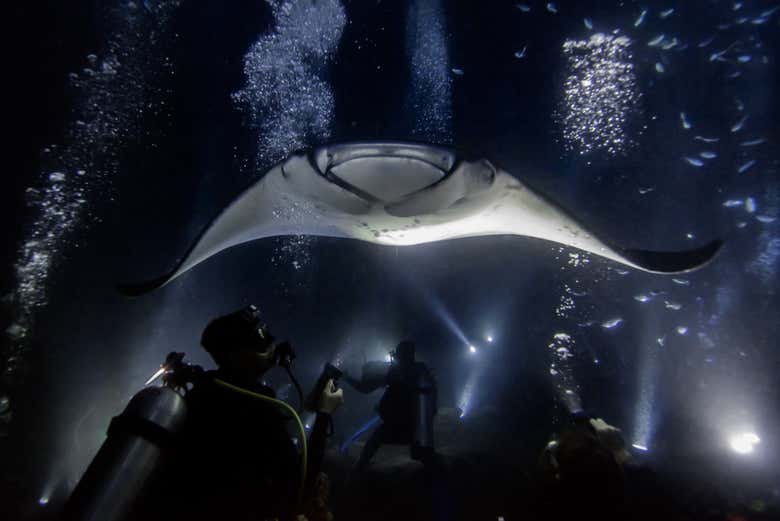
(407, 407)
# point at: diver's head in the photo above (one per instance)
(404, 352)
(239, 343)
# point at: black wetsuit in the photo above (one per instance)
(398, 409)
(236, 459)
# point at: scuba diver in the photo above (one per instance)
(407, 407)
(230, 455)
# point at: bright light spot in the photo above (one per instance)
(388, 357)
(472, 349)
(639, 446)
(43, 500)
(489, 338)
(743, 443)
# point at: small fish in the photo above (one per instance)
(684, 121)
(655, 293)
(552, 7)
(736, 127)
(741, 224)
(707, 139)
(742, 20)
(759, 21)
(521, 53)
(674, 306)
(670, 44)
(641, 18)
(737, 6)
(524, 8)
(718, 55)
(744, 58)
(657, 40)
(659, 67)
(620, 271)
(732, 203)
(770, 12)
(766, 219)
(588, 23)
(457, 72)
(682, 282)
(746, 166)
(753, 142)
(643, 298)
(612, 323)
(694, 161)
(705, 43)
(666, 13)
(750, 205)
(643, 191)
(708, 155)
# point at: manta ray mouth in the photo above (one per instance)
(384, 172)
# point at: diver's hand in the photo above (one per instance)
(331, 399)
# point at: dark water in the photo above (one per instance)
(165, 139)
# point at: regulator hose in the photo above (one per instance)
(301, 432)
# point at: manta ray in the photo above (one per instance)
(402, 194)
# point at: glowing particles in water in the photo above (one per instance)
(674, 306)
(521, 53)
(612, 323)
(643, 298)
(659, 68)
(707, 154)
(682, 282)
(694, 161)
(552, 7)
(600, 94)
(430, 96)
(753, 142)
(656, 41)
(750, 205)
(681, 330)
(588, 23)
(285, 91)
(732, 203)
(744, 167)
(645, 190)
(666, 13)
(524, 8)
(706, 139)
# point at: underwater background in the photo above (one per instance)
(656, 123)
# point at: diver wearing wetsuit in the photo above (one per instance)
(236, 459)
(407, 407)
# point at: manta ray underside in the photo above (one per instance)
(403, 194)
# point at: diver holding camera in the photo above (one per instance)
(222, 435)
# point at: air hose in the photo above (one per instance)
(288, 408)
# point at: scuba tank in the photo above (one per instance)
(135, 447)
(426, 410)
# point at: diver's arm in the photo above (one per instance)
(361, 385)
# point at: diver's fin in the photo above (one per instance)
(673, 261)
(141, 288)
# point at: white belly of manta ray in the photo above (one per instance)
(403, 194)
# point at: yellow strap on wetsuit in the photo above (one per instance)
(285, 406)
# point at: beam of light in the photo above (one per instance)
(472, 350)
(744, 442)
(643, 414)
(370, 424)
(639, 447)
(156, 375)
